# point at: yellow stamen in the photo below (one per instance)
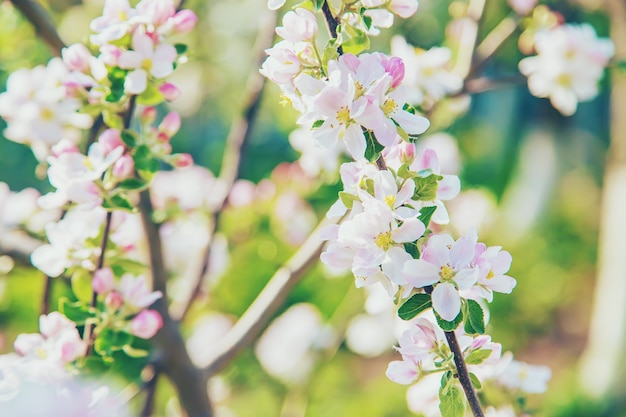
(390, 200)
(146, 64)
(447, 272)
(383, 240)
(490, 274)
(343, 115)
(389, 107)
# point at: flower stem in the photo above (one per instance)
(331, 23)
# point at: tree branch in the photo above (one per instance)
(237, 139)
(40, 19)
(172, 354)
(331, 23)
(256, 317)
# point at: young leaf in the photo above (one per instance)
(129, 138)
(475, 321)
(478, 356)
(411, 249)
(132, 184)
(475, 381)
(372, 152)
(426, 187)
(181, 48)
(78, 312)
(81, 285)
(426, 213)
(347, 199)
(414, 305)
(151, 96)
(449, 326)
(452, 403)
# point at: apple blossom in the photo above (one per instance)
(570, 62)
(298, 25)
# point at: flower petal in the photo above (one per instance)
(446, 301)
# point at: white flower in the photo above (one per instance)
(145, 59)
(570, 62)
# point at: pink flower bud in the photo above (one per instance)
(77, 57)
(103, 281)
(114, 301)
(162, 137)
(170, 124)
(183, 160)
(110, 54)
(184, 21)
(124, 167)
(169, 91)
(395, 68)
(64, 146)
(146, 324)
(110, 139)
(148, 115)
(407, 152)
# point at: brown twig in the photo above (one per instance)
(88, 335)
(174, 358)
(484, 84)
(331, 23)
(463, 375)
(256, 317)
(492, 42)
(150, 388)
(238, 137)
(40, 19)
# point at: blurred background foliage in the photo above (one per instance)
(539, 172)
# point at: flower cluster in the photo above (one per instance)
(570, 62)
(424, 350)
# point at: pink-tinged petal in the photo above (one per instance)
(441, 215)
(406, 192)
(161, 69)
(386, 133)
(369, 257)
(446, 301)
(427, 159)
(462, 253)
(165, 52)
(402, 372)
(355, 141)
(449, 187)
(410, 231)
(503, 284)
(403, 8)
(143, 44)
(393, 263)
(136, 82)
(337, 210)
(420, 273)
(326, 135)
(338, 256)
(329, 101)
(465, 278)
(501, 263)
(437, 249)
(130, 60)
(413, 124)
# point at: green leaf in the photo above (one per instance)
(475, 381)
(109, 341)
(405, 172)
(426, 213)
(330, 53)
(151, 96)
(475, 320)
(478, 356)
(347, 199)
(446, 382)
(426, 187)
(81, 285)
(452, 403)
(144, 161)
(449, 326)
(414, 305)
(409, 108)
(318, 4)
(411, 249)
(181, 48)
(129, 138)
(353, 40)
(373, 149)
(78, 312)
(132, 184)
(120, 266)
(367, 21)
(118, 202)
